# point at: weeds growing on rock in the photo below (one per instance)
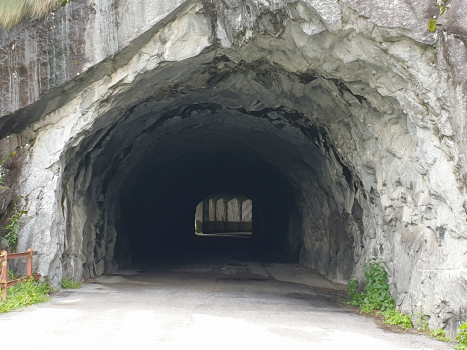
(422, 320)
(432, 23)
(69, 284)
(376, 296)
(395, 317)
(13, 228)
(462, 337)
(440, 335)
(25, 294)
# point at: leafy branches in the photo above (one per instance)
(395, 317)
(376, 295)
(13, 228)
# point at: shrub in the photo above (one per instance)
(462, 337)
(13, 228)
(356, 297)
(376, 296)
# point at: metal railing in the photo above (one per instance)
(4, 257)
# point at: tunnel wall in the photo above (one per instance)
(375, 113)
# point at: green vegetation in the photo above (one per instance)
(422, 320)
(462, 337)
(13, 228)
(25, 294)
(69, 284)
(432, 25)
(12, 276)
(395, 317)
(356, 298)
(376, 296)
(439, 334)
(13, 11)
(441, 4)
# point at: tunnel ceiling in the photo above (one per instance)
(351, 131)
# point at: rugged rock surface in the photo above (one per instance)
(347, 117)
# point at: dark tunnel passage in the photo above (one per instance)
(159, 210)
(214, 150)
(147, 183)
(132, 182)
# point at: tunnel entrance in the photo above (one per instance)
(131, 188)
(311, 144)
(340, 130)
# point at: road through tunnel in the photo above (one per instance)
(198, 149)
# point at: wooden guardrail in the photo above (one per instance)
(4, 257)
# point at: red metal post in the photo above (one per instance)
(29, 263)
(4, 281)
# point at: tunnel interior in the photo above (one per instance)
(157, 219)
(193, 149)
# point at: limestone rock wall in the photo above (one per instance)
(369, 107)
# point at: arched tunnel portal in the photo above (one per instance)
(165, 162)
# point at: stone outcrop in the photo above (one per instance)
(346, 120)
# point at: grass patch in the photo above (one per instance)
(25, 294)
(69, 284)
(13, 11)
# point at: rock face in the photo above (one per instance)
(345, 121)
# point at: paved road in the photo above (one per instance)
(205, 305)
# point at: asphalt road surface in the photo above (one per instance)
(207, 304)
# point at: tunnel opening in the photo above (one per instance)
(308, 146)
(131, 187)
(164, 212)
